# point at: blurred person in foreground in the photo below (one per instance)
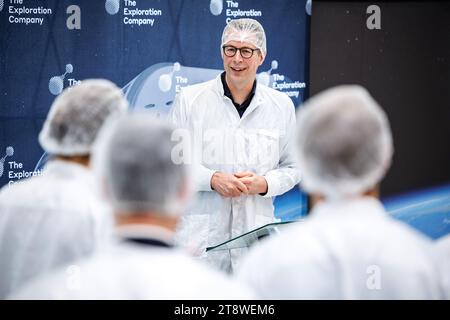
(442, 249)
(349, 247)
(53, 219)
(148, 192)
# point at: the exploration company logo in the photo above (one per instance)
(165, 80)
(132, 14)
(280, 82)
(21, 12)
(15, 169)
(233, 11)
(8, 153)
(56, 83)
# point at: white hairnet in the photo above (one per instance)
(77, 114)
(133, 158)
(344, 142)
(245, 30)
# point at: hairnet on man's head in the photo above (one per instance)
(133, 156)
(77, 114)
(344, 142)
(245, 30)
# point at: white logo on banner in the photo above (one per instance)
(165, 80)
(234, 12)
(16, 169)
(9, 152)
(264, 77)
(112, 6)
(1, 5)
(133, 15)
(216, 7)
(56, 83)
(21, 13)
(280, 82)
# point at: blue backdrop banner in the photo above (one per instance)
(150, 48)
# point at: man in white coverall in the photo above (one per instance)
(147, 191)
(442, 248)
(50, 220)
(242, 133)
(349, 248)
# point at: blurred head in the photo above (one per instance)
(241, 65)
(344, 142)
(133, 158)
(77, 115)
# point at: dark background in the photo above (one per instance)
(405, 66)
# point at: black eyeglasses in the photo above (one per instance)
(245, 52)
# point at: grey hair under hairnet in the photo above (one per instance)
(133, 157)
(245, 30)
(344, 142)
(77, 115)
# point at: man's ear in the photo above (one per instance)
(261, 59)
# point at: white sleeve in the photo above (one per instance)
(287, 174)
(178, 117)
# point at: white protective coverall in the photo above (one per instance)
(261, 142)
(47, 221)
(131, 270)
(346, 250)
(442, 246)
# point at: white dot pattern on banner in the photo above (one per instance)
(112, 6)
(165, 82)
(69, 68)
(274, 65)
(55, 85)
(1, 5)
(216, 7)
(9, 151)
